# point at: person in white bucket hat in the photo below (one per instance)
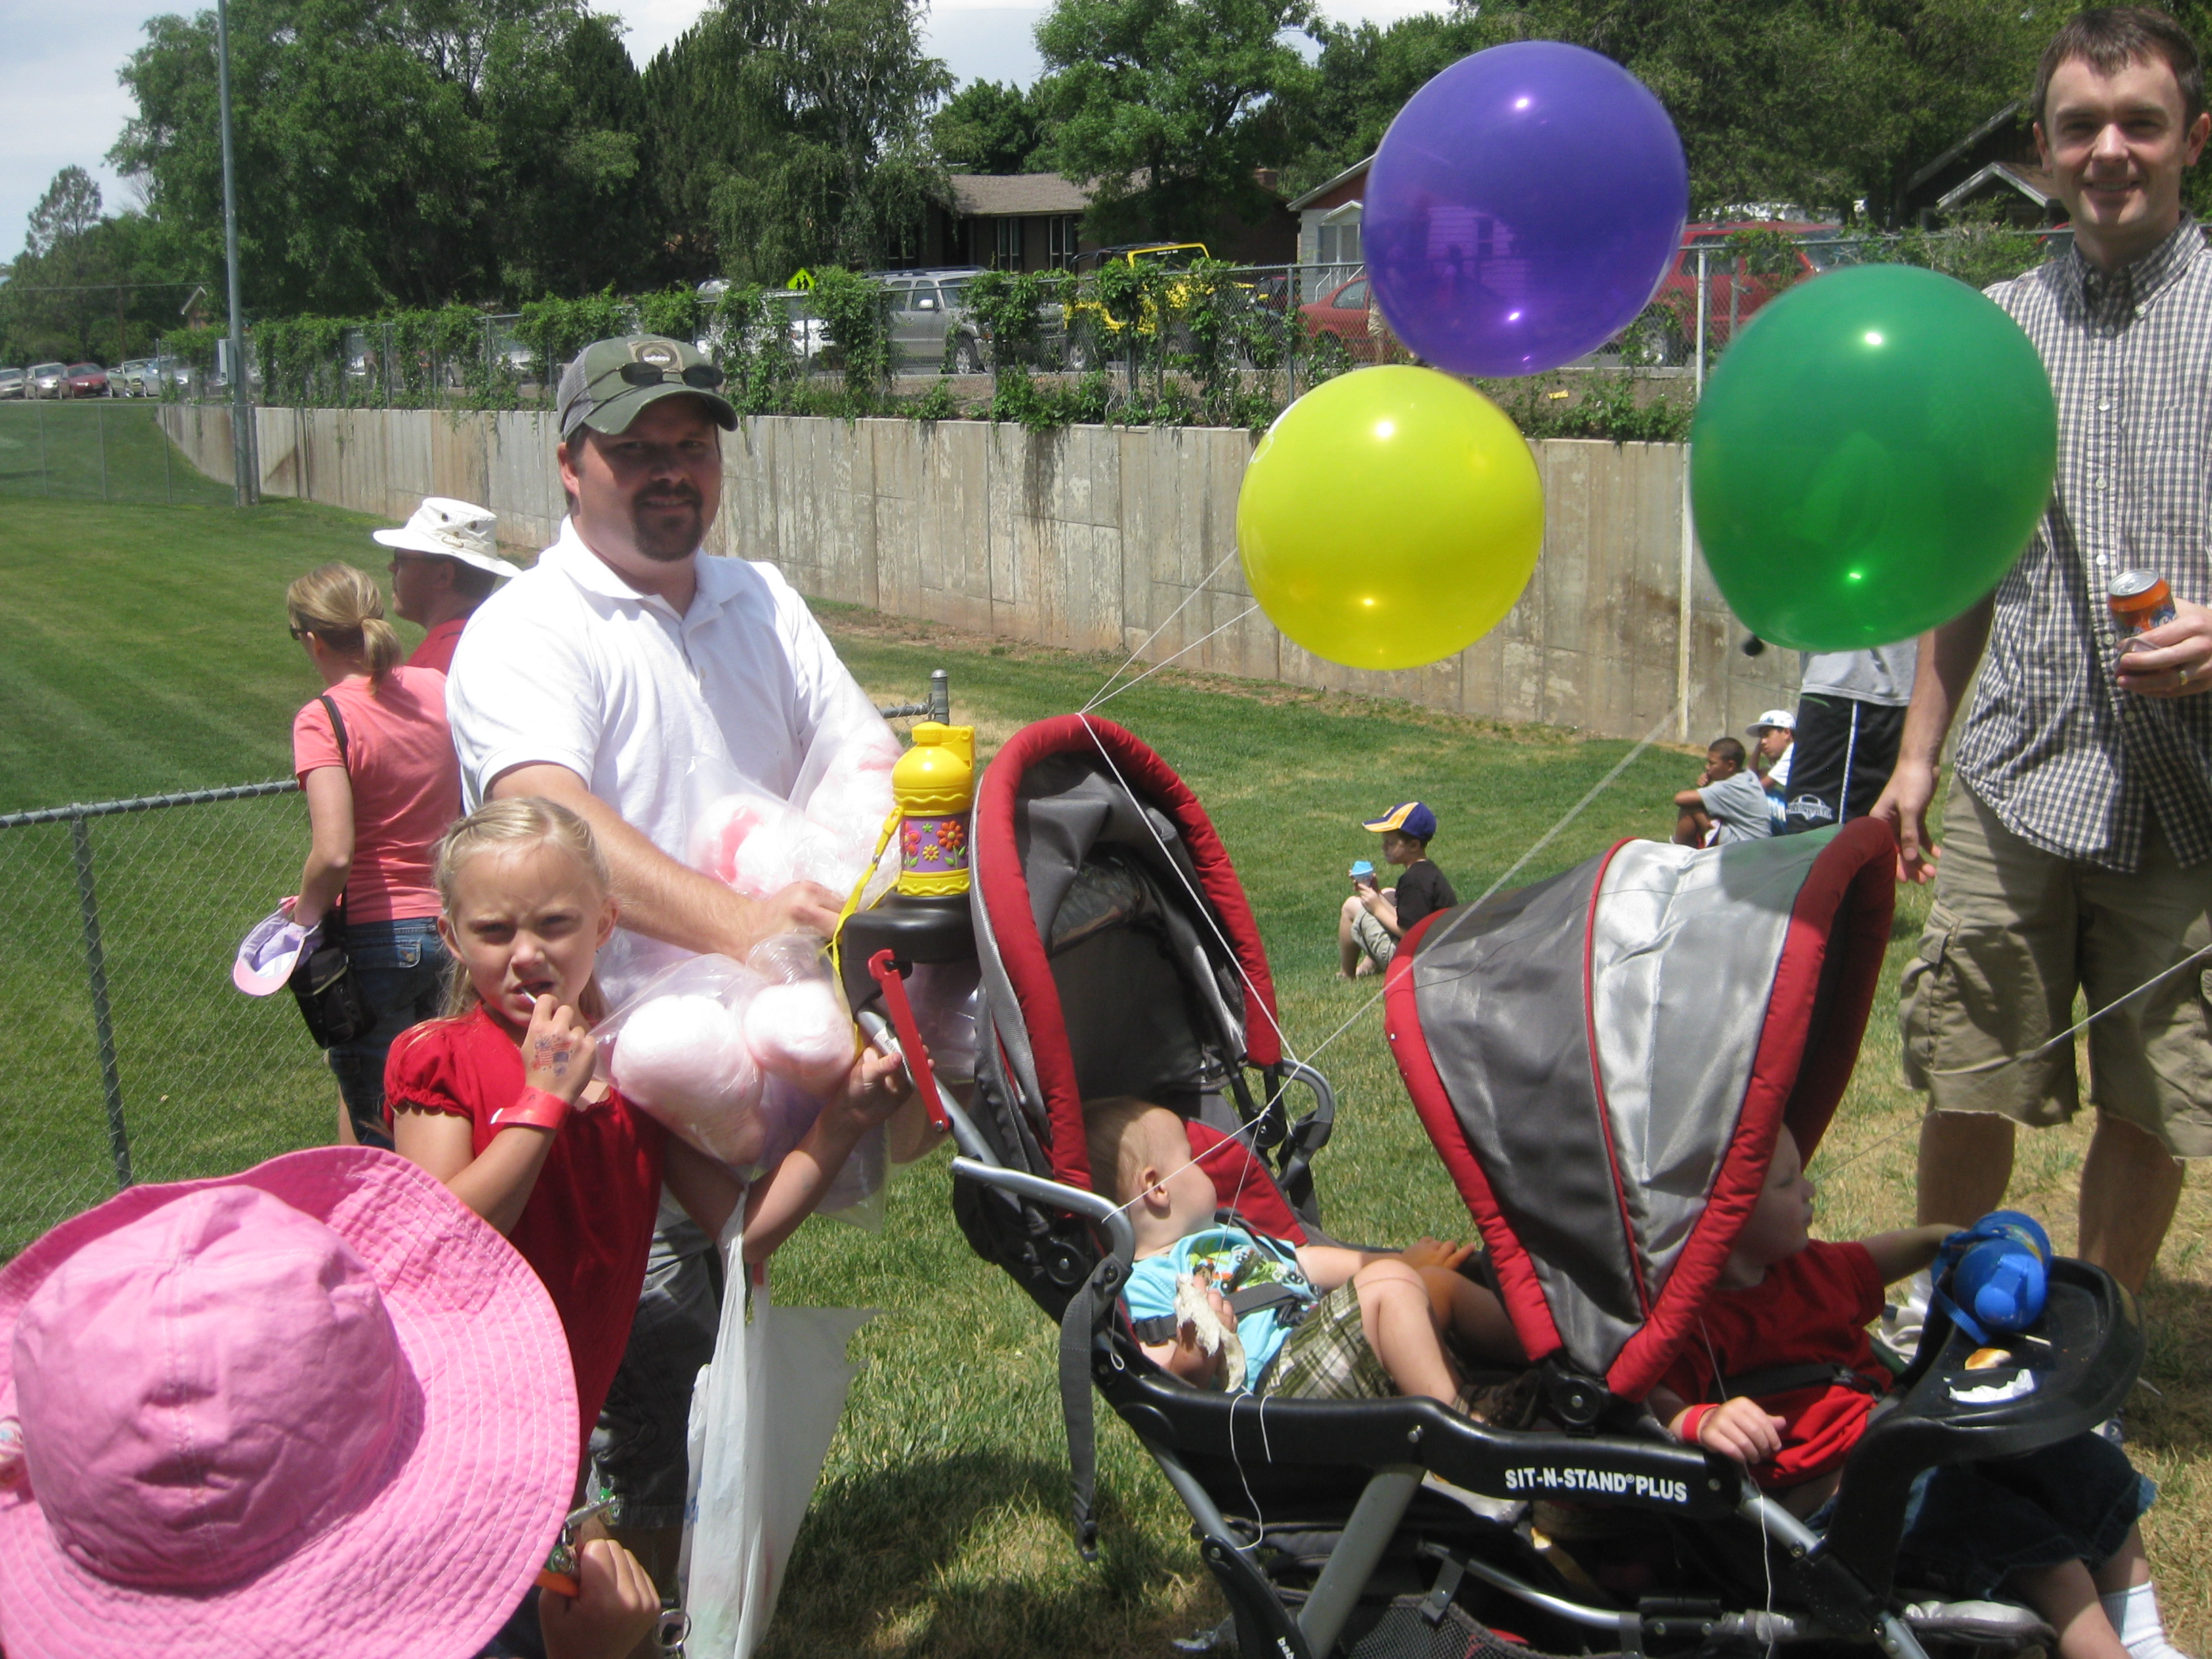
(445, 563)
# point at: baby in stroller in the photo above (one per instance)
(2056, 1527)
(1314, 1321)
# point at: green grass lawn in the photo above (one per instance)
(100, 449)
(146, 651)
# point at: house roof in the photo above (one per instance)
(2002, 118)
(1321, 190)
(1012, 195)
(2033, 183)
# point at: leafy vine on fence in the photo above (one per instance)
(1133, 342)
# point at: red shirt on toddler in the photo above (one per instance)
(1812, 1307)
(588, 1222)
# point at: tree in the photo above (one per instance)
(790, 133)
(1164, 107)
(70, 208)
(986, 127)
(1821, 102)
(569, 129)
(85, 286)
(1363, 79)
(389, 152)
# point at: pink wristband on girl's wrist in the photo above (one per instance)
(538, 1109)
(1694, 1419)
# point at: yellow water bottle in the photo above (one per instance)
(934, 784)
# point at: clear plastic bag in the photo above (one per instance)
(676, 1051)
(803, 1036)
(827, 832)
(762, 1417)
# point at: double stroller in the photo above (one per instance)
(1604, 1061)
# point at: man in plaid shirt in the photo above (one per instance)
(2077, 844)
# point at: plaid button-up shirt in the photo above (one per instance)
(2064, 757)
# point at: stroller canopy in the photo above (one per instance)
(1119, 955)
(1604, 1061)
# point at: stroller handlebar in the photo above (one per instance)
(1121, 1236)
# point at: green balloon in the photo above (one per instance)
(1870, 457)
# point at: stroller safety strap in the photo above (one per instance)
(1241, 1303)
(1090, 1306)
(1786, 1379)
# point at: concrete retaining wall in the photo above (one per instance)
(1093, 538)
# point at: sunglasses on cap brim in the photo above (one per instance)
(701, 377)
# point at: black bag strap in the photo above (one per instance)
(336, 918)
(337, 726)
(1088, 1310)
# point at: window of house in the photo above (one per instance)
(1006, 248)
(1060, 242)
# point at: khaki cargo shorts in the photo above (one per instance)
(2013, 933)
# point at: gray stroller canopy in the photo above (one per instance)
(1604, 1060)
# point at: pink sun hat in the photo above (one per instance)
(319, 1407)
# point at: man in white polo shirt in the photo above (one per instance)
(603, 679)
(604, 676)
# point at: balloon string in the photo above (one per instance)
(1109, 696)
(1101, 694)
(1513, 870)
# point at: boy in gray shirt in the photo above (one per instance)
(1728, 805)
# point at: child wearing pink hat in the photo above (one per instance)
(499, 1101)
(315, 1408)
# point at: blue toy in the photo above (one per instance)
(1998, 1274)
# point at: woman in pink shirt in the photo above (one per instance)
(382, 784)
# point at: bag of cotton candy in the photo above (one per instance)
(801, 1034)
(676, 1051)
(826, 830)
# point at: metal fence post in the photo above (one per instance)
(1704, 295)
(95, 969)
(99, 417)
(45, 484)
(168, 487)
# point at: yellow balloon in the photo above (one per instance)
(1390, 518)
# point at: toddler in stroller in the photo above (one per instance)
(1604, 1061)
(1785, 1378)
(1322, 1322)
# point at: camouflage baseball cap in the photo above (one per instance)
(610, 380)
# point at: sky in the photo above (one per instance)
(63, 105)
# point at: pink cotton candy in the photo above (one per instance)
(685, 1060)
(727, 826)
(798, 1032)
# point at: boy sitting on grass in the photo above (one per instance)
(1319, 1321)
(2055, 1528)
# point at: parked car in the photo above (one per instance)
(1341, 312)
(132, 378)
(88, 380)
(11, 382)
(48, 380)
(1666, 334)
(930, 323)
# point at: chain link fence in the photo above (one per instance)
(132, 1057)
(97, 449)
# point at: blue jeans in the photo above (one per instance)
(401, 966)
(1968, 1527)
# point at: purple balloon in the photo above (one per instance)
(1523, 209)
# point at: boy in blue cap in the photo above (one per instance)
(1375, 918)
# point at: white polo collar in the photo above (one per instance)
(573, 559)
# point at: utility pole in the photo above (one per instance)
(241, 398)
